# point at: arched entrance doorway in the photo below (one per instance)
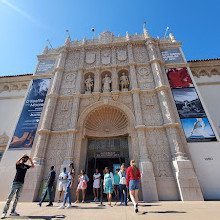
(107, 137)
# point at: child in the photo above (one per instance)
(96, 184)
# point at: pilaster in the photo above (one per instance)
(188, 184)
(148, 179)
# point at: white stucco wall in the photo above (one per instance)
(11, 104)
(206, 161)
(206, 156)
(209, 88)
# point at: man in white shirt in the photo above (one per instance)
(63, 182)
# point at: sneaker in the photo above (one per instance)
(97, 199)
(3, 215)
(69, 206)
(39, 204)
(77, 201)
(62, 207)
(83, 201)
(50, 204)
(59, 201)
(136, 208)
(94, 199)
(14, 214)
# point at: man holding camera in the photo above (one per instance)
(17, 185)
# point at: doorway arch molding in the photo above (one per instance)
(81, 140)
(106, 103)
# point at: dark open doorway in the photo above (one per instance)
(100, 164)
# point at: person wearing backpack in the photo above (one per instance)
(82, 180)
(122, 185)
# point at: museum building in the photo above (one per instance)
(104, 101)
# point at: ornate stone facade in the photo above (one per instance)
(141, 109)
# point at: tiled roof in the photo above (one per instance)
(203, 60)
(29, 74)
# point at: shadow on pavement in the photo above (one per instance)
(53, 217)
(163, 212)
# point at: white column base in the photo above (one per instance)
(148, 183)
(187, 181)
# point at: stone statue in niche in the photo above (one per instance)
(124, 82)
(89, 83)
(106, 83)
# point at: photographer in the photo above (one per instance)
(17, 185)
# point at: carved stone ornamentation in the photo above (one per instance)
(69, 84)
(106, 83)
(106, 57)
(62, 115)
(124, 82)
(89, 83)
(145, 79)
(121, 55)
(90, 57)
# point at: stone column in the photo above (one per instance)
(148, 183)
(35, 176)
(185, 175)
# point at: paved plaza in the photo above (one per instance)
(153, 211)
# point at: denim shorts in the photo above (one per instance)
(134, 184)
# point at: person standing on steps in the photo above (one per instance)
(17, 185)
(96, 185)
(63, 178)
(132, 181)
(67, 195)
(49, 185)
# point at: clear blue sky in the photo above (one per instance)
(26, 24)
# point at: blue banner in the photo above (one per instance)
(25, 131)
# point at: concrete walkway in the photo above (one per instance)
(91, 211)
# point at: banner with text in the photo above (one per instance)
(172, 56)
(25, 131)
(46, 66)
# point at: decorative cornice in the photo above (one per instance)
(156, 127)
(12, 97)
(50, 132)
(161, 88)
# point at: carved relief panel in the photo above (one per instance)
(106, 57)
(84, 103)
(122, 56)
(55, 152)
(90, 59)
(159, 152)
(140, 54)
(62, 115)
(151, 109)
(72, 60)
(68, 84)
(145, 78)
(127, 100)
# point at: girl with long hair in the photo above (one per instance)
(108, 184)
(122, 184)
(133, 182)
(82, 180)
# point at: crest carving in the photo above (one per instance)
(106, 58)
(122, 55)
(90, 57)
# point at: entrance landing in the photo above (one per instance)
(153, 211)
